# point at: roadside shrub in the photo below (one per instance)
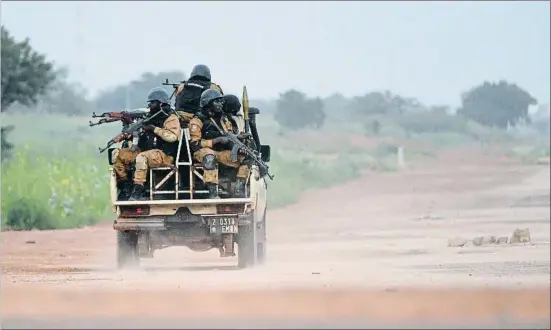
(50, 192)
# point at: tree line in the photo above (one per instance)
(32, 83)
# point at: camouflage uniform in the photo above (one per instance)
(155, 153)
(207, 144)
(170, 132)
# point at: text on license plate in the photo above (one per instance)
(223, 225)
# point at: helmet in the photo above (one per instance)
(200, 71)
(231, 104)
(208, 96)
(158, 94)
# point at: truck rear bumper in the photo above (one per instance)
(185, 202)
(139, 224)
(160, 222)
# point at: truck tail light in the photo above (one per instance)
(132, 211)
(230, 209)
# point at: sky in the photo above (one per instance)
(433, 51)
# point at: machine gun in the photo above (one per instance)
(127, 117)
(130, 130)
(174, 85)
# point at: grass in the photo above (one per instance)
(48, 191)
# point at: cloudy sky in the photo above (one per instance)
(429, 50)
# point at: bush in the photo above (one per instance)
(46, 192)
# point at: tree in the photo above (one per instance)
(295, 111)
(26, 75)
(496, 104)
(134, 94)
(62, 97)
(335, 104)
(383, 103)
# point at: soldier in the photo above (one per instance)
(210, 147)
(189, 92)
(157, 146)
(232, 108)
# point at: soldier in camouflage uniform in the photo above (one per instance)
(210, 147)
(189, 92)
(232, 108)
(157, 146)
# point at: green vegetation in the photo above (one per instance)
(52, 191)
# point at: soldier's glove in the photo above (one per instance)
(220, 140)
(149, 128)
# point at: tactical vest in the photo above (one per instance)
(210, 131)
(150, 140)
(188, 99)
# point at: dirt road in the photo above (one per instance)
(370, 253)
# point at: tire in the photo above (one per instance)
(245, 247)
(262, 243)
(249, 255)
(127, 249)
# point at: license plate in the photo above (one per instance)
(223, 225)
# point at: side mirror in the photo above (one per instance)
(253, 111)
(265, 152)
(110, 155)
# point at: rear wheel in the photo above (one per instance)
(251, 243)
(127, 249)
(261, 244)
(246, 246)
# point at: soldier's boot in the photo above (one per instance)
(137, 192)
(240, 188)
(125, 189)
(213, 190)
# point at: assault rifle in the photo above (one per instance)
(240, 147)
(130, 130)
(127, 117)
